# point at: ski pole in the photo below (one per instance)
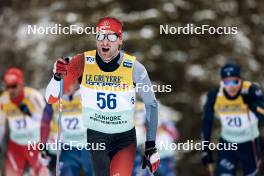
(59, 124)
(150, 173)
(59, 130)
(254, 146)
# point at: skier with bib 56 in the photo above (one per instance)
(107, 78)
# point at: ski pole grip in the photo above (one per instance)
(58, 76)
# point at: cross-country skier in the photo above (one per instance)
(238, 104)
(21, 108)
(107, 77)
(75, 156)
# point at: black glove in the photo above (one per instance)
(44, 152)
(24, 109)
(151, 157)
(207, 158)
(44, 156)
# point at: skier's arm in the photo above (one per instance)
(45, 123)
(38, 102)
(74, 72)
(151, 157)
(208, 117)
(2, 125)
(141, 78)
(255, 100)
(207, 124)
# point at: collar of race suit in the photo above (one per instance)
(107, 66)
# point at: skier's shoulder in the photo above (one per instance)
(35, 97)
(251, 89)
(4, 98)
(31, 92)
(212, 94)
(77, 58)
(131, 62)
(128, 60)
(128, 56)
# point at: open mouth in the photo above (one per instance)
(105, 49)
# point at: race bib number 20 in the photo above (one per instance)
(233, 121)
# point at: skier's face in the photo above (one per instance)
(14, 90)
(232, 85)
(106, 48)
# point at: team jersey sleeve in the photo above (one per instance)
(207, 123)
(75, 70)
(38, 102)
(255, 100)
(208, 115)
(141, 79)
(2, 124)
(45, 122)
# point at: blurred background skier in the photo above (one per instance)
(74, 160)
(239, 105)
(21, 110)
(167, 134)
